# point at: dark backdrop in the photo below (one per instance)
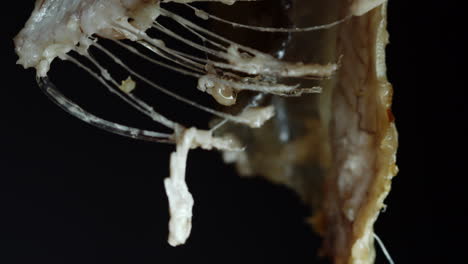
(70, 193)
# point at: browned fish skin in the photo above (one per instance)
(340, 154)
(364, 140)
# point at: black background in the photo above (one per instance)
(70, 193)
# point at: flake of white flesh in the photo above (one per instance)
(258, 115)
(254, 102)
(127, 85)
(180, 199)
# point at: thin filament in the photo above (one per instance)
(174, 95)
(151, 113)
(137, 106)
(384, 250)
(159, 63)
(202, 13)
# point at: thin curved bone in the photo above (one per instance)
(70, 107)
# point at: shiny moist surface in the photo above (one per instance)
(336, 149)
